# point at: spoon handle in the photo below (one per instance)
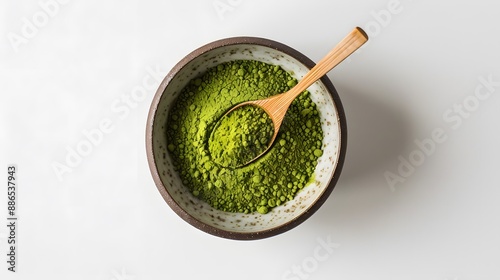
(344, 48)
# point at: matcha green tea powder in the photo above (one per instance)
(240, 136)
(201, 162)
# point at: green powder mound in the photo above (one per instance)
(240, 136)
(271, 180)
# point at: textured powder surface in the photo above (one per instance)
(240, 136)
(272, 179)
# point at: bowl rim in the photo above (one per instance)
(149, 140)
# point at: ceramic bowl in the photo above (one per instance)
(238, 225)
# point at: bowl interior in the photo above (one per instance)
(204, 216)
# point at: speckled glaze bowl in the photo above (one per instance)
(238, 225)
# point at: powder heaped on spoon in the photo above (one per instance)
(240, 136)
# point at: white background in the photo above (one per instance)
(106, 220)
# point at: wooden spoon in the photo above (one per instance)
(277, 105)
